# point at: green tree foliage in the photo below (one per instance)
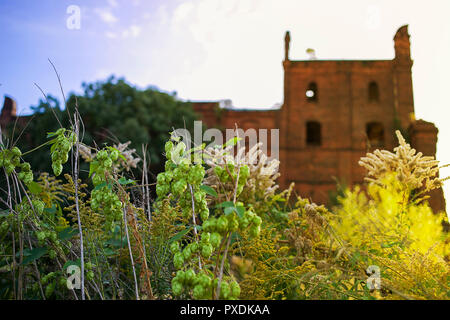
(112, 111)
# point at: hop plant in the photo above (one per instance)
(103, 197)
(184, 182)
(61, 145)
(10, 160)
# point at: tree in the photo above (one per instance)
(112, 111)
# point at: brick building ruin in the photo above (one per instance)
(334, 111)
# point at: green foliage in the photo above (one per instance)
(61, 144)
(10, 160)
(218, 229)
(112, 111)
(199, 249)
(103, 197)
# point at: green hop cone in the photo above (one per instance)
(25, 167)
(4, 226)
(44, 279)
(178, 260)
(177, 287)
(9, 168)
(16, 151)
(218, 171)
(207, 250)
(108, 163)
(15, 161)
(55, 156)
(222, 224)
(52, 254)
(198, 196)
(204, 214)
(96, 179)
(177, 173)
(169, 176)
(254, 231)
(63, 282)
(181, 276)
(187, 253)
(53, 236)
(199, 292)
(41, 235)
(206, 236)
(49, 289)
(257, 220)
(38, 205)
(64, 157)
(244, 172)
(168, 147)
(225, 290)
(174, 247)
(233, 223)
(235, 290)
(190, 276)
(114, 155)
(161, 178)
(207, 225)
(28, 177)
(102, 155)
(94, 204)
(216, 238)
(243, 222)
(179, 187)
(194, 247)
(57, 168)
(90, 275)
(21, 175)
(204, 280)
(160, 191)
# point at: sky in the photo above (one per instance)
(217, 49)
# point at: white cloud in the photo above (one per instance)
(113, 3)
(133, 31)
(106, 15)
(111, 35)
(162, 15)
(146, 15)
(182, 12)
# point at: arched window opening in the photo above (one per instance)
(312, 94)
(375, 134)
(374, 92)
(313, 133)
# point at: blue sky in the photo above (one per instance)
(218, 49)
